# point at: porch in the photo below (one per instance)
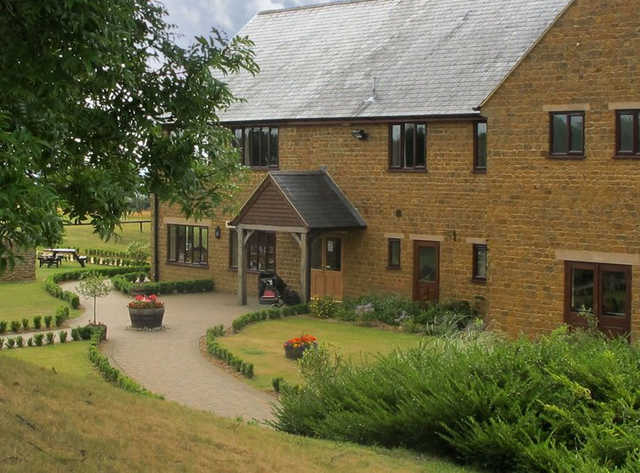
(308, 205)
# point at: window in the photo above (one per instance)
(602, 289)
(408, 146)
(393, 261)
(480, 263)
(188, 244)
(628, 133)
(258, 145)
(480, 147)
(233, 249)
(567, 134)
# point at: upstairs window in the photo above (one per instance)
(408, 146)
(188, 244)
(628, 133)
(480, 263)
(258, 145)
(480, 147)
(567, 134)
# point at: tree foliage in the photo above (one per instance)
(97, 103)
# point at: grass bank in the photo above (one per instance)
(71, 420)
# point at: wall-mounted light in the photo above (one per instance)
(359, 134)
(218, 232)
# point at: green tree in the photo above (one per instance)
(94, 285)
(98, 102)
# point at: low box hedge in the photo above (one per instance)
(127, 283)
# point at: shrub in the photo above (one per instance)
(62, 335)
(15, 326)
(324, 307)
(47, 321)
(37, 322)
(25, 324)
(59, 320)
(1, 343)
(3, 326)
(50, 337)
(564, 403)
(10, 343)
(276, 382)
(19, 341)
(30, 342)
(37, 339)
(75, 334)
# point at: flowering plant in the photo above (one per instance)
(295, 347)
(146, 302)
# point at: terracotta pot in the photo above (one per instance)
(146, 318)
(294, 353)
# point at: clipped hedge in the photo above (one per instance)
(61, 315)
(221, 353)
(52, 287)
(127, 283)
(110, 373)
(268, 314)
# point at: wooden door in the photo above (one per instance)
(326, 267)
(426, 257)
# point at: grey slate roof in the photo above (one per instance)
(318, 199)
(428, 57)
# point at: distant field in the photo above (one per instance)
(83, 236)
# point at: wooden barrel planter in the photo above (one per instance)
(146, 318)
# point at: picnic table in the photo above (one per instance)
(56, 255)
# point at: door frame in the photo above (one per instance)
(417, 244)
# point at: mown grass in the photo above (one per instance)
(262, 344)
(72, 421)
(28, 299)
(83, 236)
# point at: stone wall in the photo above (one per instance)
(24, 269)
(588, 61)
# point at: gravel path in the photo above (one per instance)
(169, 362)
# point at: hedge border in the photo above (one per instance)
(126, 283)
(224, 355)
(52, 287)
(108, 372)
(56, 321)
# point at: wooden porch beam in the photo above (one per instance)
(304, 266)
(275, 228)
(242, 272)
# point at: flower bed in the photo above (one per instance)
(295, 347)
(146, 312)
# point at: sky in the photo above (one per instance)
(196, 17)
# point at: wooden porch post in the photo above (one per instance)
(242, 272)
(304, 268)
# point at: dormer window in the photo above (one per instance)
(258, 145)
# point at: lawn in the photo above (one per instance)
(68, 359)
(28, 299)
(83, 237)
(261, 344)
(71, 420)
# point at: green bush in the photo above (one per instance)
(75, 334)
(62, 335)
(324, 307)
(59, 319)
(10, 343)
(37, 322)
(566, 403)
(29, 342)
(37, 339)
(25, 324)
(214, 348)
(47, 321)
(1, 343)
(3, 326)
(50, 337)
(19, 341)
(15, 326)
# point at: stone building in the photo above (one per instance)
(24, 269)
(485, 151)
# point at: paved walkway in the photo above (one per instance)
(169, 362)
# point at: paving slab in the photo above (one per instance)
(169, 361)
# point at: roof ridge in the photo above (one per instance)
(313, 6)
